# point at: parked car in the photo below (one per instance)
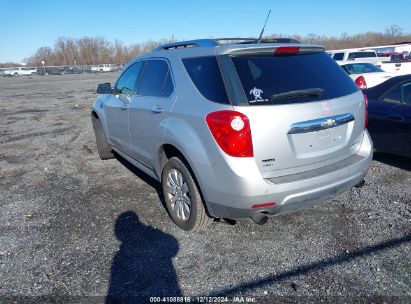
(389, 106)
(52, 70)
(365, 75)
(20, 71)
(351, 54)
(71, 70)
(241, 130)
(104, 68)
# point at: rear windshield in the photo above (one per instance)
(292, 79)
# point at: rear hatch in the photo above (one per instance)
(304, 111)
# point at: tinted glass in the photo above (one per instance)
(263, 77)
(206, 75)
(154, 77)
(127, 83)
(168, 86)
(406, 91)
(354, 55)
(393, 96)
(338, 56)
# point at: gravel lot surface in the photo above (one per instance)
(73, 226)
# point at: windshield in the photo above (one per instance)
(292, 79)
(361, 68)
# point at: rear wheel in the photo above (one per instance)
(103, 147)
(182, 196)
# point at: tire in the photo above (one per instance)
(15, 75)
(103, 147)
(185, 207)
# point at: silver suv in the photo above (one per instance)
(236, 128)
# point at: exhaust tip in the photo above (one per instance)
(259, 218)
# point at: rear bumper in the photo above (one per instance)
(231, 194)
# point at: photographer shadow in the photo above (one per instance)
(142, 267)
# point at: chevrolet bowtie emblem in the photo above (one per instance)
(328, 122)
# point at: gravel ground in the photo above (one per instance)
(73, 226)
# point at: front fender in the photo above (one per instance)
(98, 108)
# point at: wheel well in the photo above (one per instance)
(167, 151)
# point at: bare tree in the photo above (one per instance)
(97, 50)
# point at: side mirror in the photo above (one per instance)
(104, 88)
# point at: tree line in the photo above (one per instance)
(98, 50)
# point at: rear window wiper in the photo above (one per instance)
(305, 93)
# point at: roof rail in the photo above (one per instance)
(220, 41)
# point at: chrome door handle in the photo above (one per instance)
(156, 110)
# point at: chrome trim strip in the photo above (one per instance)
(320, 123)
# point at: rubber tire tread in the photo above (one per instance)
(103, 147)
(199, 218)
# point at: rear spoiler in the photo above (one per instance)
(283, 49)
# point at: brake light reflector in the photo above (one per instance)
(287, 50)
(231, 130)
(263, 205)
(366, 111)
(361, 83)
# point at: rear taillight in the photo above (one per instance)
(366, 111)
(287, 50)
(361, 83)
(231, 130)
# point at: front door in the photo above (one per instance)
(150, 111)
(117, 108)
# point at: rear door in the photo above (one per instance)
(150, 111)
(304, 110)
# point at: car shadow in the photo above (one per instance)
(142, 267)
(393, 160)
(144, 177)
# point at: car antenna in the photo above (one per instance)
(262, 31)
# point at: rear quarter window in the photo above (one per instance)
(264, 76)
(206, 76)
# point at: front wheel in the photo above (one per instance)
(103, 147)
(182, 196)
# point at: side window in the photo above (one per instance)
(393, 95)
(156, 80)
(127, 83)
(338, 56)
(168, 85)
(406, 93)
(206, 76)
